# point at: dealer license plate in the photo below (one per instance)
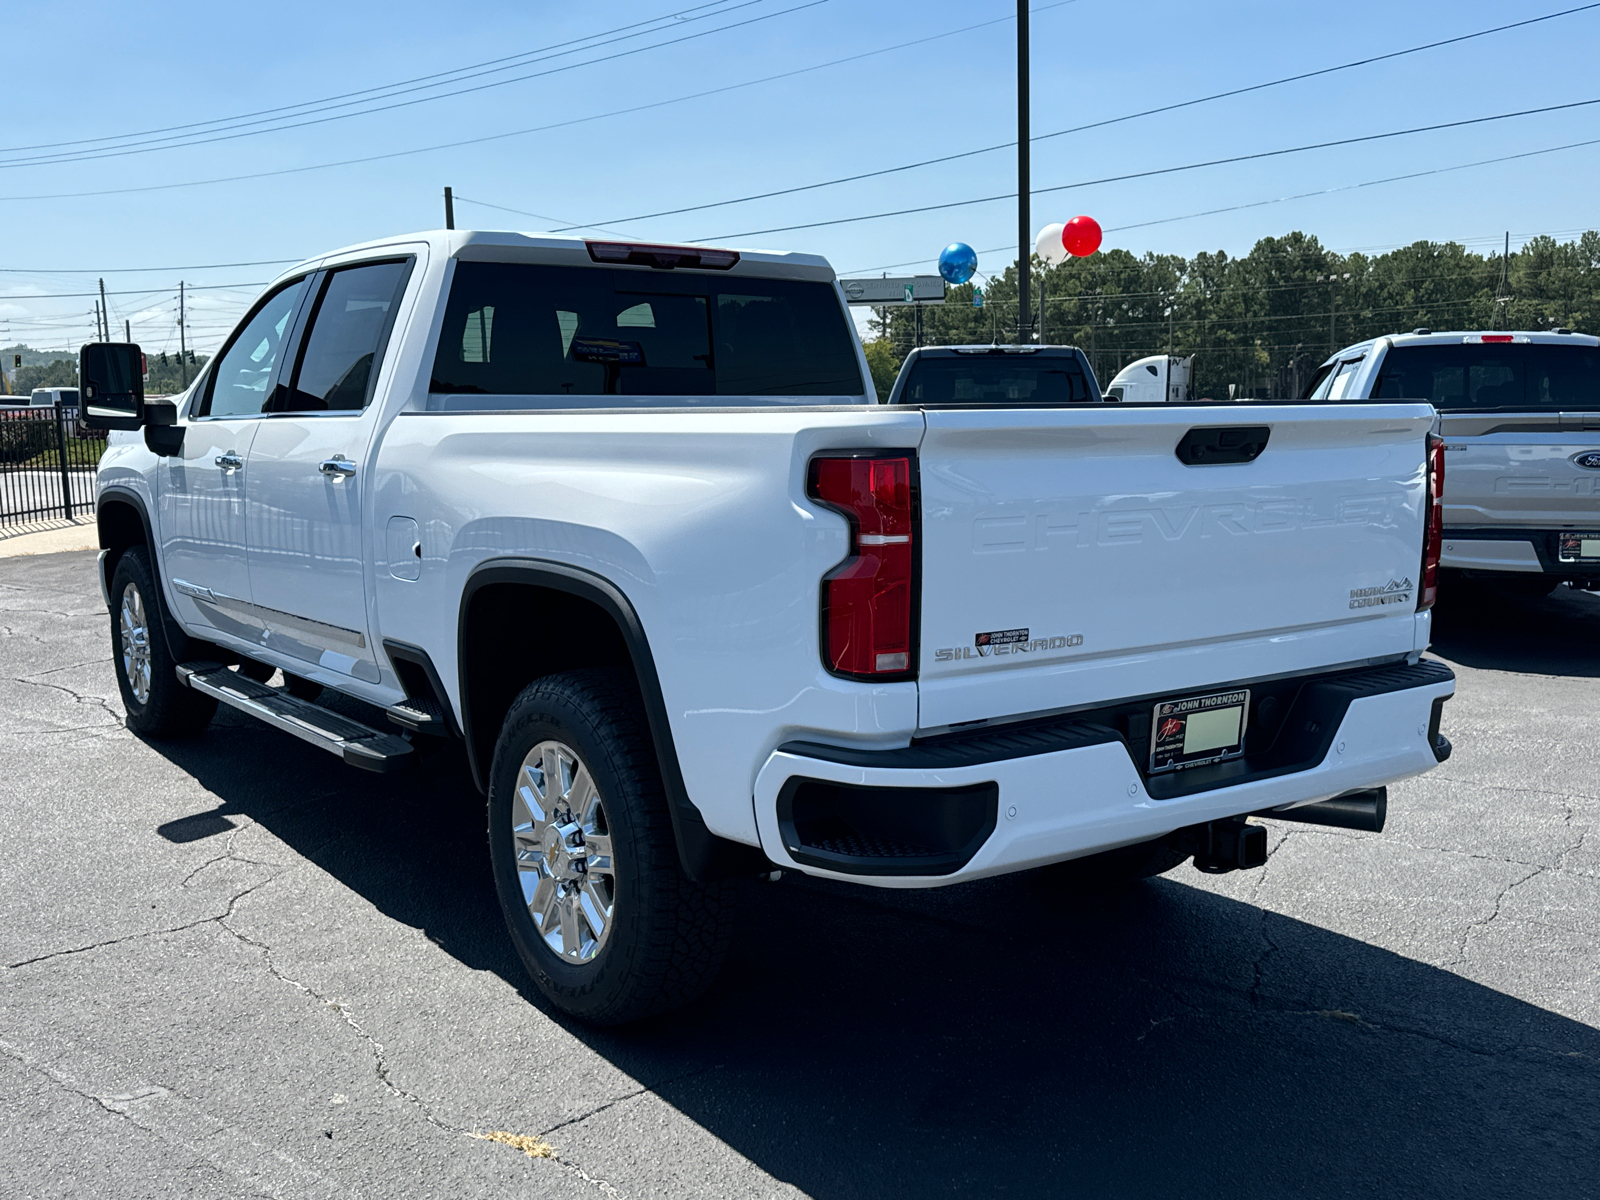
(1580, 547)
(1198, 730)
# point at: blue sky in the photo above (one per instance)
(93, 69)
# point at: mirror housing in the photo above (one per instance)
(162, 433)
(111, 385)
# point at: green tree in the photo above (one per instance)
(1265, 321)
(884, 364)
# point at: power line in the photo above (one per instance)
(129, 292)
(307, 104)
(495, 137)
(171, 144)
(1166, 108)
(265, 262)
(1215, 162)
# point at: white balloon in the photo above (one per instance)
(1050, 246)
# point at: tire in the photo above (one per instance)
(664, 937)
(1117, 868)
(301, 689)
(156, 703)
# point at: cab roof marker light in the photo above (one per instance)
(663, 258)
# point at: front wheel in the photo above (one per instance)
(156, 703)
(584, 859)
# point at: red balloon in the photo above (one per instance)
(1081, 237)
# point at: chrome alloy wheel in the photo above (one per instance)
(562, 846)
(135, 643)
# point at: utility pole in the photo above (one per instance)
(105, 314)
(1024, 219)
(183, 346)
(1502, 297)
(127, 330)
(449, 209)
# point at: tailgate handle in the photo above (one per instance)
(1218, 444)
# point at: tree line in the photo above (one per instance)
(1265, 320)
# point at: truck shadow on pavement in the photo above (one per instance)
(1001, 1037)
(1557, 635)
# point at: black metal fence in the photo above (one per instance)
(47, 464)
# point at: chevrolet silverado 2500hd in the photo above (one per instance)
(629, 521)
(1520, 417)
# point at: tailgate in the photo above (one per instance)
(1519, 471)
(1070, 558)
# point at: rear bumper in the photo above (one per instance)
(1061, 791)
(1513, 552)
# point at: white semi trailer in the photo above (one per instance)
(1159, 379)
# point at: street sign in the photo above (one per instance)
(894, 292)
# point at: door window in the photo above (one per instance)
(239, 385)
(349, 326)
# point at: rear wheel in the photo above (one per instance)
(156, 703)
(584, 859)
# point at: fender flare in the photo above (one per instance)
(704, 855)
(179, 643)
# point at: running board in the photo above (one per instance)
(357, 744)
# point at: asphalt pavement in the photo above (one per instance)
(233, 966)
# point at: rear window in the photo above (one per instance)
(525, 336)
(998, 379)
(1493, 377)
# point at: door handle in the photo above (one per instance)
(230, 461)
(338, 467)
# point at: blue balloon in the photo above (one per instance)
(957, 262)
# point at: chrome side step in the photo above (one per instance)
(357, 744)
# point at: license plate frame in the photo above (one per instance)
(1570, 546)
(1170, 730)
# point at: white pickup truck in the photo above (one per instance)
(630, 522)
(1520, 417)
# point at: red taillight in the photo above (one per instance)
(866, 600)
(1432, 525)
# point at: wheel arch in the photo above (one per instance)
(123, 522)
(506, 604)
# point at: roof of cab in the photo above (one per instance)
(988, 348)
(558, 249)
(1449, 337)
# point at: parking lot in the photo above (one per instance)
(235, 967)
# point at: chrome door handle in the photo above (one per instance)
(338, 467)
(230, 461)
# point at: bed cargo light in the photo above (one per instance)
(867, 599)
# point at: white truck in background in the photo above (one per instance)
(630, 523)
(1520, 417)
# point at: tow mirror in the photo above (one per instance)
(111, 385)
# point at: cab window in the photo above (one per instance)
(238, 387)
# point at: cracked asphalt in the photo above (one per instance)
(232, 966)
